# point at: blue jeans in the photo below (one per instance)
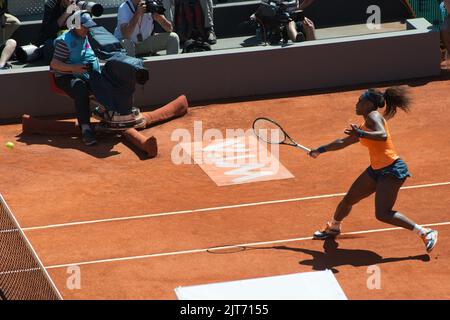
(78, 90)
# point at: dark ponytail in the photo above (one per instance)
(392, 98)
(396, 97)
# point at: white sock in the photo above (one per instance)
(85, 127)
(336, 224)
(420, 230)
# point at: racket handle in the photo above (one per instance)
(303, 148)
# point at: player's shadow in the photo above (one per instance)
(333, 257)
(103, 149)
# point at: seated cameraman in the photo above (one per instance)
(306, 26)
(8, 25)
(72, 61)
(54, 22)
(135, 30)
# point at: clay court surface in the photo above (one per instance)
(58, 190)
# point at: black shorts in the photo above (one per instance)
(398, 169)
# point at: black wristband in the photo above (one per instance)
(361, 133)
(321, 149)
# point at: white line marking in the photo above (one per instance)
(175, 253)
(333, 195)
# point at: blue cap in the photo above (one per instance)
(86, 20)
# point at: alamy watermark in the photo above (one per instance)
(212, 146)
(374, 280)
(374, 20)
(74, 280)
(74, 20)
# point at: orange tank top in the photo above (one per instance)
(382, 153)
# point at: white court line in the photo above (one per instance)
(215, 208)
(176, 253)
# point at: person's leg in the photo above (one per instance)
(310, 29)
(48, 50)
(11, 25)
(129, 46)
(208, 13)
(208, 17)
(168, 41)
(363, 187)
(169, 5)
(292, 32)
(8, 51)
(78, 90)
(386, 195)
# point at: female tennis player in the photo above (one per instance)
(387, 171)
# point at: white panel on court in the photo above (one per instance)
(237, 160)
(319, 285)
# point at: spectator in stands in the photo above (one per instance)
(135, 30)
(208, 14)
(72, 62)
(445, 29)
(53, 23)
(306, 26)
(8, 25)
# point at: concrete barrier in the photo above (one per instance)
(251, 71)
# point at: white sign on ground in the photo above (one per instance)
(238, 160)
(318, 285)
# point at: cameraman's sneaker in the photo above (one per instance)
(89, 138)
(430, 239)
(327, 232)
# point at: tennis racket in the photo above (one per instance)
(271, 132)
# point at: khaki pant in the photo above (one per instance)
(11, 24)
(168, 41)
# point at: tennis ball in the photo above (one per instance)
(10, 145)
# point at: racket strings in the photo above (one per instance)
(268, 131)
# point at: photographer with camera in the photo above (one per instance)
(135, 28)
(8, 25)
(73, 62)
(284, 20)
(53, 24)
